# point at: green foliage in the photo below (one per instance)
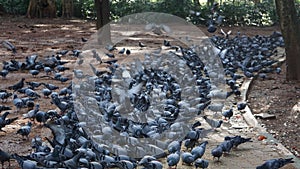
(16, 7)
(236, 12)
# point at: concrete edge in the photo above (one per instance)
(252, 122)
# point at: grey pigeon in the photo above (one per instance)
(41, 117)
(237, 140)
(241, 105)
(146, 159)
(122, 51)
(213, 123)
(57, 132)
(31, 93)
(217, 152)
(4, 121)
(201, 163)
(187, 158)
(174, 146)
(4, 156)
(18, 85)
(226, 145)
(31, 114)
(73, 162)
(154, 165)
(50, 86)
(4, 73)
(199, 151)
(125, 164)
(228, 113)
(173, 159)
(34, 84)
(9, 46)
(34, 72)
(25, 163)
(141, 44)
(25, 130)
(275, 163)
(46, 92)
(18, 102)
(3, 108)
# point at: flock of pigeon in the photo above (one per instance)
(72, 147)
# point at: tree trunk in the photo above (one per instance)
(67, 8)
(102, 13)
(41, 9)
(290, 27)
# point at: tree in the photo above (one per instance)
(102, 13)
(41, 8)
(67, 8)
(290, 28)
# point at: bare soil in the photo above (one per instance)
(46, 36)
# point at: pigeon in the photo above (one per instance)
(4, 156)
(31, 93)
(25, 163)
(275, 163)
(213, 123)
(34, 84)
(190, 143)
(4, 73)
(18, 85)
(237, 140)
(154, 165)
(34, 72)
(3, 108)
(110, 55)
(167, 43)
(201, 163)
(9, 46)
(141, 44)
(241, 105)
(46, 92)
(146, 159)
(128, 52)
(211, 28)
(217, 152)
(173, 159)
(4, 96)
(18, 102)
(278, 70)
(187, 158)
(83, 39)
(122, 51)
(73, 162)
(47, 70)
(25, 130)
(41, 117)
(228, 113)
(199, 151)
(61, 68)
(110, 48)
(50, 86)
(4, 121)
(58, 133)
(126, 164)
(226, 145)
(174, 146)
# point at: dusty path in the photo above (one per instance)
(46, 37)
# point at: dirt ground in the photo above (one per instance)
(273, 95)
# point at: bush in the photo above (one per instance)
(15, 7)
